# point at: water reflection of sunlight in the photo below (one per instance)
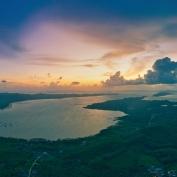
(53, 119)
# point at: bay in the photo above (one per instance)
(57, 118)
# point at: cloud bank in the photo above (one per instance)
(164, 71)
(117, 80)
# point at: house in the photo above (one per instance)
(156, 170)
(171, 173)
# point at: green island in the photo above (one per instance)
(161, 94)
(145, 137)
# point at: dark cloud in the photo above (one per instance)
(15, 46)
(4, 81)
(75, 83)
(164, 65)
(9, 49)
(10, 44)
(60, 78)
(164, 71)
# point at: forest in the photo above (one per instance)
(144, 137)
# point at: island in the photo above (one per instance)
(142, 142)
(161, 94)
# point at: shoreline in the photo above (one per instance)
(9, 98)
(125, 150)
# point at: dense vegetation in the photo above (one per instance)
(162, 94)
(146, 136)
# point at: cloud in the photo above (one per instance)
(58, 61)
(60, 78)
(170, 30)
(105, 14)
(109, 58)
(112, 33)
(42, 82)
(53, 85)
(107, 74)
(123, 50)
(75, 83)
(144, 59)
(48, 75)
(89, 65)
(3, 81)
(39, 59)
(136, 66)
(165, 65)
(120, 39)
(10, 44)
(164, 71)
(116, 41)
(117, 80)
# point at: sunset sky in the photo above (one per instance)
(79, 44)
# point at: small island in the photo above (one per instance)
(162, 94)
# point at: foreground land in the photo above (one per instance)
(145, 137)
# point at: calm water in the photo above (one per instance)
(56, 119)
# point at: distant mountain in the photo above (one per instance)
(161, 94)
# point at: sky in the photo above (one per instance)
(87, 44)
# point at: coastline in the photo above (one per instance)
(8, 98)
(128, 148)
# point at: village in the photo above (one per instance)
(159, 172)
